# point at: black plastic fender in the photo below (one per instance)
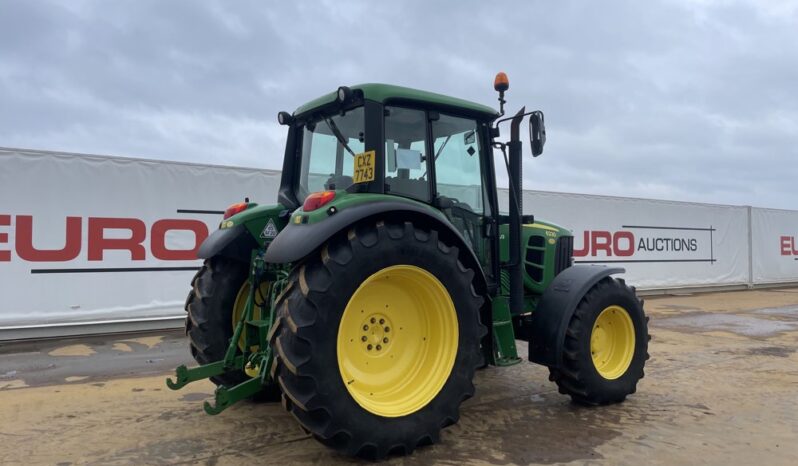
(558, 303)
(236, 243)
(296, 241)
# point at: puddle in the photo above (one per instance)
(786, 311)
(740, 324)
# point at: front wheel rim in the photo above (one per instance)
(397, 341)
(612, 342)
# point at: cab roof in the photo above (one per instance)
(389, 94)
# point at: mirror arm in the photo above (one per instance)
(498, 122)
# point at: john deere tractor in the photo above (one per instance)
(386, 275)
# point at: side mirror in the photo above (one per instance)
(537, 132)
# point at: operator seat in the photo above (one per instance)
(338, 182)
(406, 186)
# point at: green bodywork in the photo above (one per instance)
(386, 93)
(539, 243)
(539, 251)
(255, 218)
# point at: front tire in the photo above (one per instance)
(606, 346)
(393, 286)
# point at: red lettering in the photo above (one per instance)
(601, 241)
(794, 251)
(99, 243)
(5, 220)
(585, 246)
(787, 245)
(26, 250)
(158, 240)
(630, 243)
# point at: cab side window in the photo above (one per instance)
(405, 153)
(458, 166)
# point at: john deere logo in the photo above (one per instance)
(269, 231)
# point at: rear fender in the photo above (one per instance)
(556, 307)
(298, 240)
(236, 243)
(244, 232)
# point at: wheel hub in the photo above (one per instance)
(375, 333)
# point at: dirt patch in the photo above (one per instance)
(73, 350)
(9, 384)
(76, 378)
(149, 342)
(777, 351)
(124, 347)
(195, 396)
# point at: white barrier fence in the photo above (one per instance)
(662, 244)
(774, 245)
(90, 238)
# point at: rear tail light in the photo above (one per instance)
(234, 209)
(316, 200)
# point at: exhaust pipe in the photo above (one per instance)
(516, 211)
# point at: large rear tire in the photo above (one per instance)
(606, 346)
(378, 339)
(215, 297)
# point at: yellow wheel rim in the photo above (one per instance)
(612, 342)
(240, 304)
(397, 341)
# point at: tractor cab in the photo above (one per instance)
(419, 146)
(413, 135)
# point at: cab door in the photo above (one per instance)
(461, 168)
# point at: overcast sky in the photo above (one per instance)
(684, 100)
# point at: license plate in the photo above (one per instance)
(364, 167)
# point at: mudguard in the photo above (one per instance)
(296, 241)
(236, 243)
(558, 303)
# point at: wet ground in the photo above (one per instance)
(721, 388)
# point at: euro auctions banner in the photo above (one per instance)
(94, 238)
(107, 238)
(775, 241)
(661, 244)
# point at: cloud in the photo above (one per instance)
(670, 99)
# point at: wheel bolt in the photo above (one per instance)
(382, 321)
(385, 340)
(369, 347)
(363, 338)
(373, 320)
(365, 327)
(387, 329)
(379, 347)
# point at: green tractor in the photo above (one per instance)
(385, 276)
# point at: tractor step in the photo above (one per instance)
(506, 353)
